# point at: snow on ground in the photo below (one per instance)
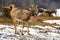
(58, 12)
(52, 21)
(44, 33)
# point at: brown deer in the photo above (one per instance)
(34, 10)
(19, 16)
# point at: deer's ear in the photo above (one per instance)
(11, 6)
(36, 5)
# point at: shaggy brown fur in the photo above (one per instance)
(6, 12)
(18, 15)
(34, 10)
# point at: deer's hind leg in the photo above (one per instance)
(15, 25)
(15, 29)
(22, 27)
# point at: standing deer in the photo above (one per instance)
(19, 15)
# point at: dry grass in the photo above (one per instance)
(47, 18)
(7, 21)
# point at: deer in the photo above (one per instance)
(19, 15)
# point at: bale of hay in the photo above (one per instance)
(46, 15)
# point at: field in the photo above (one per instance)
(38, 31)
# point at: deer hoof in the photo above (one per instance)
(22, 33)
(29, 34)
(16, 33)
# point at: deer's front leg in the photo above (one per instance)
(15, 29)
(28, 28)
